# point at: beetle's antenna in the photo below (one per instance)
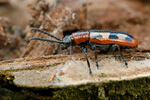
(37, 29)
(44, 39)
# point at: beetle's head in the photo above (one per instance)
(65, 42)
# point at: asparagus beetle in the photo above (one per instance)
(103, 40)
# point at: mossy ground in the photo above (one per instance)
(113, 90)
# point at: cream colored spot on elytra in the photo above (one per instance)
(105, 35)
(94, 34)
(122, 36)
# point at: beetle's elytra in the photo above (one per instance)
(105, 37)
(103, 40)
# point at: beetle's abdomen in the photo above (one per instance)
(112, 37)
(80, 37)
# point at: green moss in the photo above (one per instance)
(11, 95)
(128, 89)
(88, 92)
(102, 75)
(112, 90)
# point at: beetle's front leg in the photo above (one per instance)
(84, 50)
(71, 50)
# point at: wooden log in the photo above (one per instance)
(112, 80)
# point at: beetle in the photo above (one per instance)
(103, 40)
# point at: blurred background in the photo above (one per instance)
(62, 17)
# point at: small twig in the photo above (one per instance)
(52, 77)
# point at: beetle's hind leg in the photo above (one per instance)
(96, 58)
(126, 64)
(84, 50)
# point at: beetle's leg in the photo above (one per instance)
(84, 50)
(93, 47)
(126, 64)
(71, 49)
(96, 58)
(114, 52)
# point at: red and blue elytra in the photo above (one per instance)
(103, 40)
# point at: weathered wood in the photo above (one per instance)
(72, 80)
